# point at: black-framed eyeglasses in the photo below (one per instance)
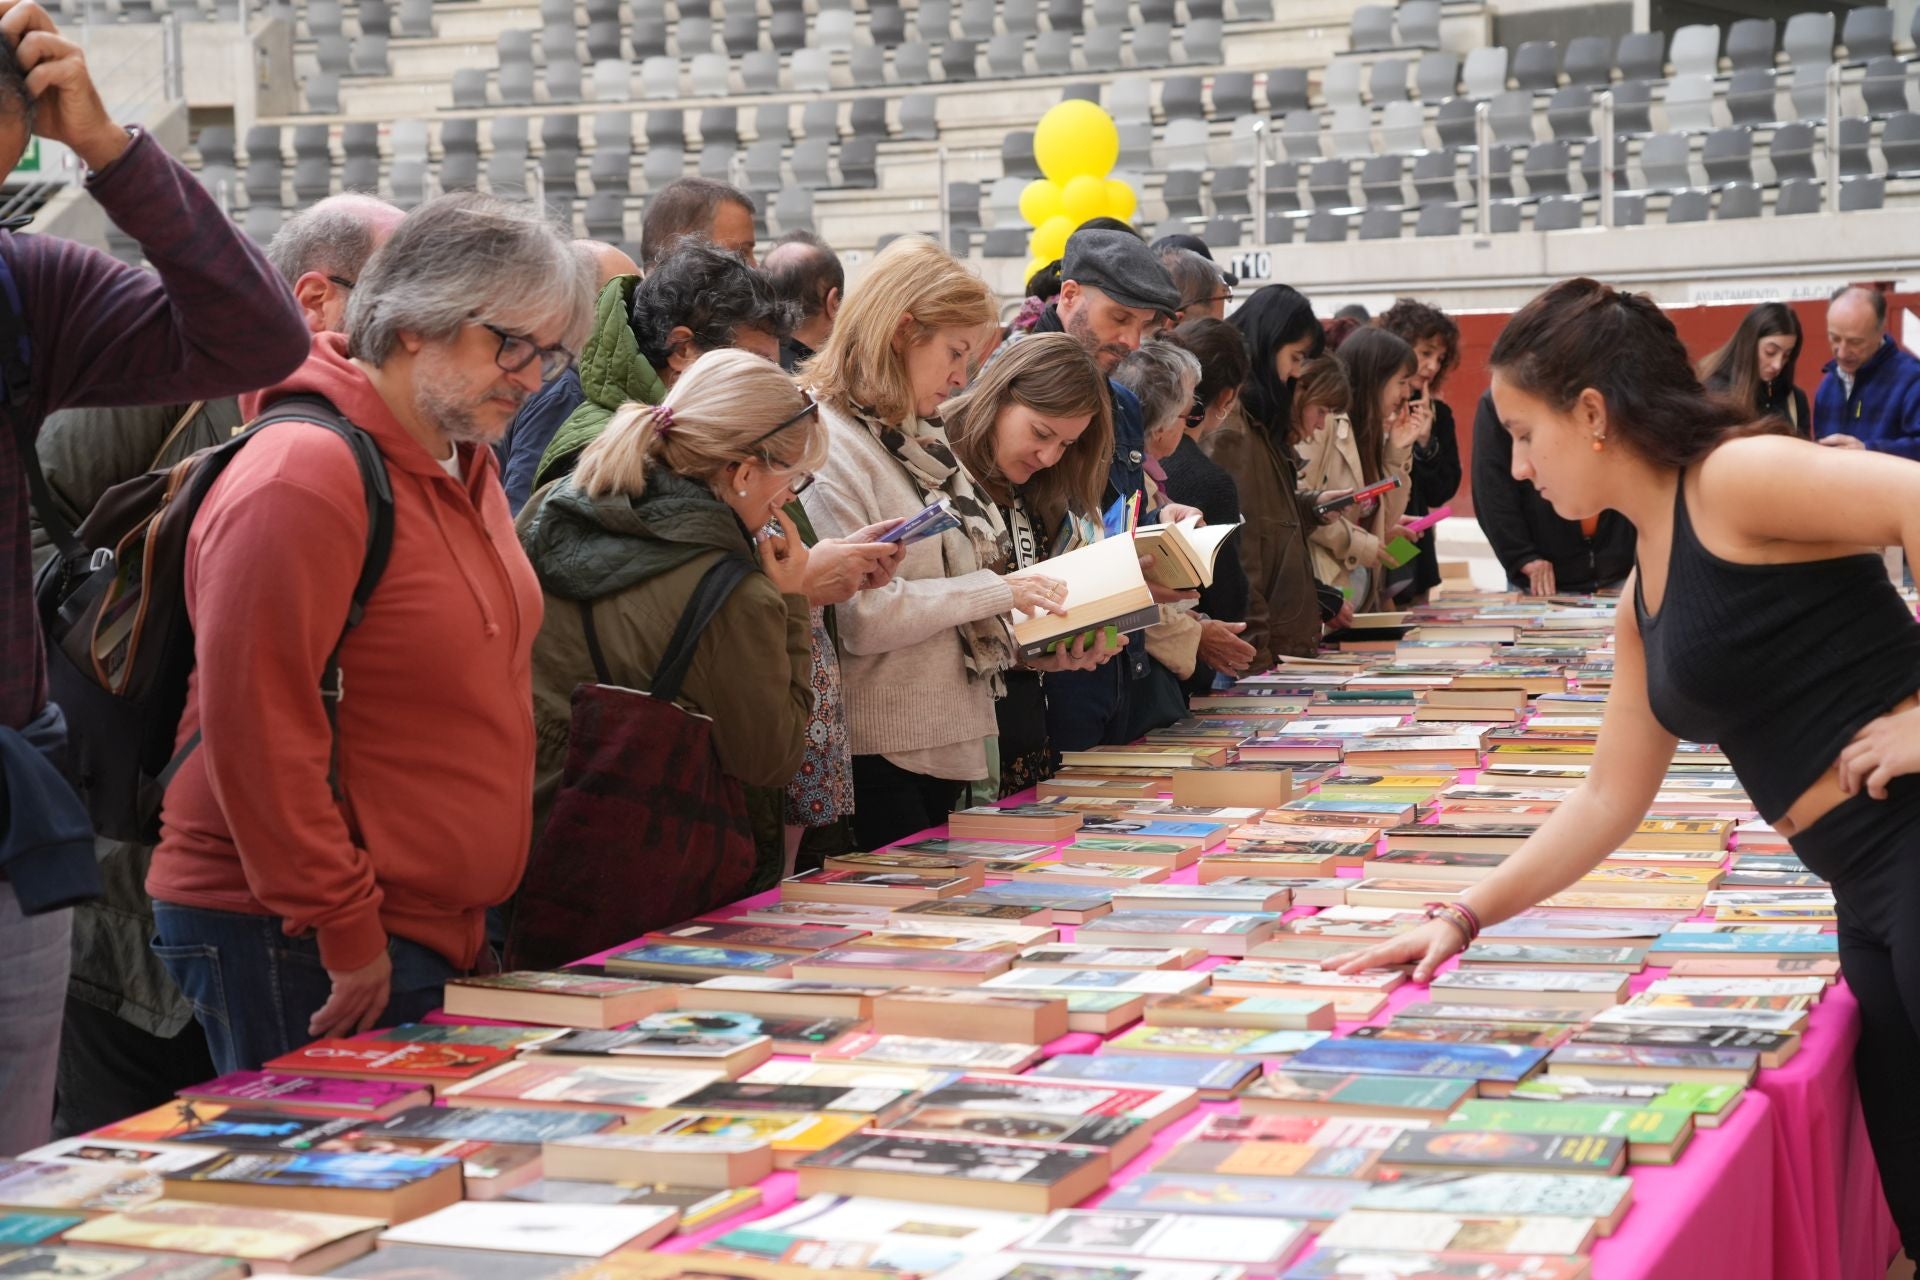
(811, 406)
(517, 352)
(342, 281)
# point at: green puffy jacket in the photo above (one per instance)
(612, 373)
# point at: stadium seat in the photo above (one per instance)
(1371, 28)
(1387, 82)
(1403, 127)
(1180, 99)
(1884, 86)
(1418, 22)
(1666, 161)
(1641, 55)
(1570, 112)
(1436, 177)
(1797, 196)
(1180, 191)
(1589, 61)
(1738, 201)
(1690, 102)
(1437, 220)
(1536, 66)
(1751, 43)
(1868, 33)
(459, 155)
(1382, 179)
(1325, 226)
(360, 153)
(1378, 224)
(1513, 117)
(1485, 73)
(1900, 143)
(1791, 152)
(1437, 77)
(1232, 94)
(1690, 206)
(1559, 213)
(1728, 155)
(1454, 123)
(1750, 96)
(1695, 50)
(919, 118)
(1286, 91)
(1548, 168)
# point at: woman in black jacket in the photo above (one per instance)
(1435, 340)
(1756, 366)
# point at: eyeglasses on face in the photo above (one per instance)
(518, 351)
(1196, 412)
(342, 281)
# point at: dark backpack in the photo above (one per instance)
(113, 608)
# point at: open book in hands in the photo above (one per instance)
(1183, 553)
(1106, 591)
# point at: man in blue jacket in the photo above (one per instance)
(1870, 396)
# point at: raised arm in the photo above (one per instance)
(1628, 766)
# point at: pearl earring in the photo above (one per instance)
(1599, 443)
(741, 492)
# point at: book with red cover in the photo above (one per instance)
(311, 1095)
(391, 1060)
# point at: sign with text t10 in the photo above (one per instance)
(1251, 266)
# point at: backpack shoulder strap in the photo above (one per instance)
(715, 586)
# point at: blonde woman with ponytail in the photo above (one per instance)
(658, 498)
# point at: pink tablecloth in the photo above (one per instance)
(1786, 1188)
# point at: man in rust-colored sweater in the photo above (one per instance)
(284, 909)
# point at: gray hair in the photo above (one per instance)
(464, 257)
(1193, 276)
(1163, 376)
(334, 237)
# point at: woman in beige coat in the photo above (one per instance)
(1370, 443)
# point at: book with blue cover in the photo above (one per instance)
(667, 959)
(1153, 829)
(1499, 1063)
(1050, 895)
(1211, 1076)
(1314, 1199)
(32, 1228)
(1678, 945)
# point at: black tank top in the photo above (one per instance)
(1780, 664)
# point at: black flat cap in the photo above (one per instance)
(1122, 267)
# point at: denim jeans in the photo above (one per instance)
(35, 952)
(253, 988)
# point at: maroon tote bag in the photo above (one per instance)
(647, 830)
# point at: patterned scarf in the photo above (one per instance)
(920, 445)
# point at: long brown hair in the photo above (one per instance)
(1735, 368)
(1372, 357)
(1051, 374)
(1582, 334)
(1322, 384)
(911, 278)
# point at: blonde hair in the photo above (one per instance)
(912, 278)
(724, 402)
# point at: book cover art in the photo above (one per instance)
(688, 956)
(87, 1187)
(256, 1235)
(855, 961)
(318, 1170)
(65, 1262)
(1185, 923)
(32, 1228)
(748, 1095)
(1210, 1074)
(686, 1033)
(985, 850)
(587, 1084)
(1531, 1152)
(492, 1124)
(1311, 1199)
(424, 1262)
(968, 1123)
(930, 1051)
(557, 982)
(416, 1060)
(1517, 1194)
(1036, 1165)
(1297, 1084)
(503, 1036)
(1636, 1124)
(314, 1093)
(762, 937)
(1378, 1264)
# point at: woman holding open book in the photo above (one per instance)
(1035, 433)
(1759, 617)
(1371, 442)
(922, 658)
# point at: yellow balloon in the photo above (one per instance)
(1076, 137)
(1034, 268)
(1084, 197)
(1050, 240)
(1121, 201)
(1039, 201)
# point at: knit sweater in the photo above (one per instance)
(908, 695)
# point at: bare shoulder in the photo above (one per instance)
(1749, 463)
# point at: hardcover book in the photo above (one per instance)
(1492, 1063)
(559, 998)
(388, 1060)
(1307, 1199)
(1255, 1243)
(1488, 1151)
(1372, 1264)
(1213, 1077)
(310, 1095)
(1515, 1194)
(278, 1238)
(1440, 1232)
(1654, 1135)
(391, 1187)
(582, 1231)
(1018, 1177)
(1296, 1091)
(689, 963)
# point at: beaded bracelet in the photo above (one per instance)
(1459, 915)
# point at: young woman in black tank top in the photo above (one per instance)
(1760, 618)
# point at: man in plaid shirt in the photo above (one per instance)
(211, 319)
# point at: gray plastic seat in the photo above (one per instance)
(793, 210)
(933, 21)
(1808, 41)
(312, 163)
(1751, 43)
(325, 18)
(1231, 189)
(720, 127)
(507, 159)
(1559, 213)
(1503, 217)
(563, 80)
(1900, 143)
(1340, 84)
(1750, 96)
(859, 163)
(1152, 44)
(1283, 185)
(370, 56)
(1419, 24)
(1016, 156)
(1869, 191)
(1180, 98)
(1436, 177)
(693, 34)
(560, 158)
(1512, 117)
(1325, 226)
(1728, 155)
(787, 30)
(1053, 53)
(265, 169)
(360, 153)
(1485, 73)
(1007, 56)
(959, 61)
(1157, 10)
(1690, 102)
(611, 169)
(1536, 66)
(762, 165)
(1641, 55)
(322, 93)
(1350, 131)
(416, 18)
(1136, 146)
(1570, 112)
(334, 54)
(1499, 165)
(1667, 161)
(1403, 127)
(1695, 50)
(1279, 224)
(1454, 123)
(867, 118)
(1287, 89)
(1221, 232)
(1797, 196)
(1437, 220)
(867, 66)
(773, 122)
(811, 71)
(1003, 197)
(1884, 86)
(1180, 191)
(605, 41)
(1589, 61)
(812, 160)
(1791, 152)
(1437, 77)
(1184, 146)
(1372, 28)
(1868, 33)
(820, 119)
(760, 71)
(660, 78)
(740, 33)
(1690, 206)
(606, 217)
(833, 30)
(1067, 15)
(1629, 209)
(1202, 41)
(1381, 179)
(1590, 158)
(1633, 106)
(459, 155)
(1330, 184)
(1856, 139)
(1005, 242)
(919, 117)
(1739, 201)
(887, 24)
(963, 205)
(1300, 135)
(648, 36)
(711, 74)
(912, 63)
(661, 166)
(1387, 82)
(666, 129)
(1548, 168)
(1381, 224)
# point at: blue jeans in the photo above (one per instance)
(253, 988)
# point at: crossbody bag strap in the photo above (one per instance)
(192, 411)
(715, 586)
(601, 671)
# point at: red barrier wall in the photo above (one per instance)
(1703, 328)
